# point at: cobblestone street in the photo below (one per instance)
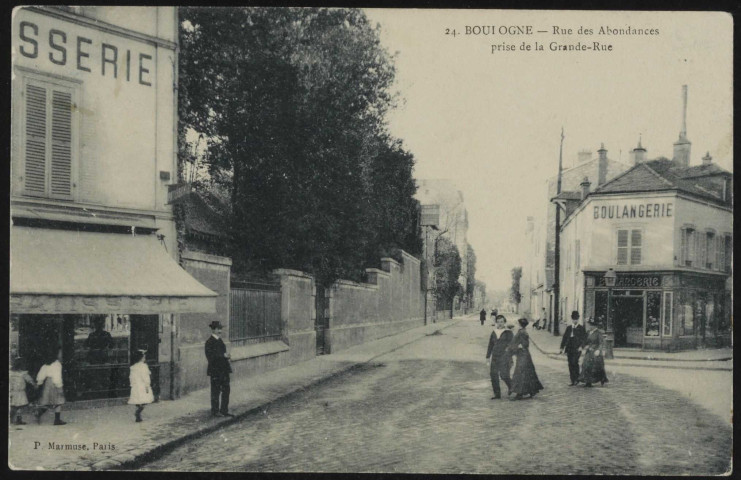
(426, 408)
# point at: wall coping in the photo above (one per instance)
(257, 350)
(291, 273)
(383, 273)
(206, 258)
(349, 283)
(409, 256)
(390, 260)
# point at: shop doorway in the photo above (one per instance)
(145, 336)
(627, 318)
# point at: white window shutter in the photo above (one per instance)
(61, 144)
(635, 247)
(36, 139)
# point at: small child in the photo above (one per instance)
(139, 379)
(52, 393)
(17, 381)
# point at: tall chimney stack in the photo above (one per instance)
(638, 153)
(602, 165)
(683, 146)
(584, 188)
(707, 159)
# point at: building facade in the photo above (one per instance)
(536, 289)
(665, 228)
(94, 254)
(453, 223)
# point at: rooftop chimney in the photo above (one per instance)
(584, 156)
(707, 159)
(638, 153)
(584, 188)
(682, 146)
(602, 167)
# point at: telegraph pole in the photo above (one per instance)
(557, 256)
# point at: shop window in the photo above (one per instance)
(629, 244)
(653, 313)
(48, 138)
(686, 312)
(666, 317)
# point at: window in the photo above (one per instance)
(709, 250)
(577, 254)
(653, 313)
(687, 246)
(686, 312)
(728, 253)
(666, 317)
(720, 253)
(629, 243)
(48, 132)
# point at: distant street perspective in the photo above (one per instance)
(426, 408)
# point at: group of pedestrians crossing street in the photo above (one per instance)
(508, 349)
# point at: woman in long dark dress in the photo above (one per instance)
(593, 368)
(524, 380)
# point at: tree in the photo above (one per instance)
(470, 273)
(293, 102)
(447, 271)
(514, 292)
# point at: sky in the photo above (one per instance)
(491, 121)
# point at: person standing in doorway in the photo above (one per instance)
(497, 357)
(18, 382)
(571, 343)
(140, 381)
(52, 388)
(482, 316)
(219, 369)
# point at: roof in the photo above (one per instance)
(663, 174)
(568, 196)
(202, 218)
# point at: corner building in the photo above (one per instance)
(94, 255)
(665, 228)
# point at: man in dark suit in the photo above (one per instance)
(498, 358)
(219, 369)
(482, 316)
(572, 341)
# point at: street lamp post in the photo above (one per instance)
(610, 277)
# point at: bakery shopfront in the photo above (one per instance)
(98, 296)
(660, 310)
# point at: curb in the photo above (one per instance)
(135, 458)
(557, 356)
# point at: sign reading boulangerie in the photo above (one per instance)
(633, 281)
(634, 210)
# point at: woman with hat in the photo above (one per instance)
(593, 368)
(524, 380)
(140, 380)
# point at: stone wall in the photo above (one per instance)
(192, 328)
(392, 301)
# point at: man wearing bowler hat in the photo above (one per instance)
(572, 342)
(219, 369)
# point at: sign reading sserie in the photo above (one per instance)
(60, 47)
(634, 210)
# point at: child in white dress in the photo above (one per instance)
(139, 379)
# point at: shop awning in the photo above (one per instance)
(61, 271)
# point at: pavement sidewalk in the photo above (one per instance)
(107, 438)
(707, 359)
